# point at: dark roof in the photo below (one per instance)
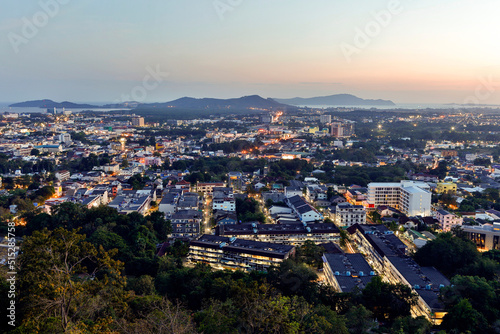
(292, 228)
(332, 248)
(187, 214)
(350, 270)
(240, 246)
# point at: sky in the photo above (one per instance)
(407, 51)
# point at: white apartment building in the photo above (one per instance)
(346, 214)
(65, 138)
(410, 197)
(225, 204)
(448, 220)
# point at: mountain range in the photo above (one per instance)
(245, 102)
(335, 100)
(51, 104)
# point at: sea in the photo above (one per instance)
(404, 106)
(4, 107)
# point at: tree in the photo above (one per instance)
(163, 318)
(35, 152)
(143, 285)
(124, 163)
(441, 170)
(447, 253)
(162, 226)
(482, 162)
(388, 301)
(67, 215)
(463, 318)
(344, 237)
(479, 292)
(64, 277)
(292, 278)
(492, 194)
(359, 320)
(311, 254)
(410, 325)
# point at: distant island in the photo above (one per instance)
(51, 104)
(335, 100)
(245, 102)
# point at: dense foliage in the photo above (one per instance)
(473, 298)
(94, 271)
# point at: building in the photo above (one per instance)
(449, 153)
(65, 138)
(344, 272)
(293, 191)
(447, 220)
(342, 129)
(235, 180)
(188, 201)
(356, 195)
(305, 211)
(325, 118)
(424, 177)
(346, 214)
(410, 197)
(232, 253)
(223, 199)
(486, 237)
(446, 187)
(226, 218)
(337, 130)
(186, 224)
(285, 233)
(138, 121)
(168, 204)
(208, 188)
(132, 201)
(388, 255)
(62, 175)
(111, 168)
(49, 148)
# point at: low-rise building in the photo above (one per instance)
(388, 255)
(448, 220)
(168, 204)
(288, 234)
(305, 211)
(486, 237)
(62, 175)
(186, 224)
(223, 199)
(207, 188)
(346, 214)
(232, 253)
(344, 272)
(446, 187)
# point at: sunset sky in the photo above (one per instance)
(91, 51)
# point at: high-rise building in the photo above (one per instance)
(342, 129)
(65, 138)
(409, 197)
(325, 118)
(336, 130)
(138, 121)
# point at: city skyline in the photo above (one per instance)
(401, 50)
